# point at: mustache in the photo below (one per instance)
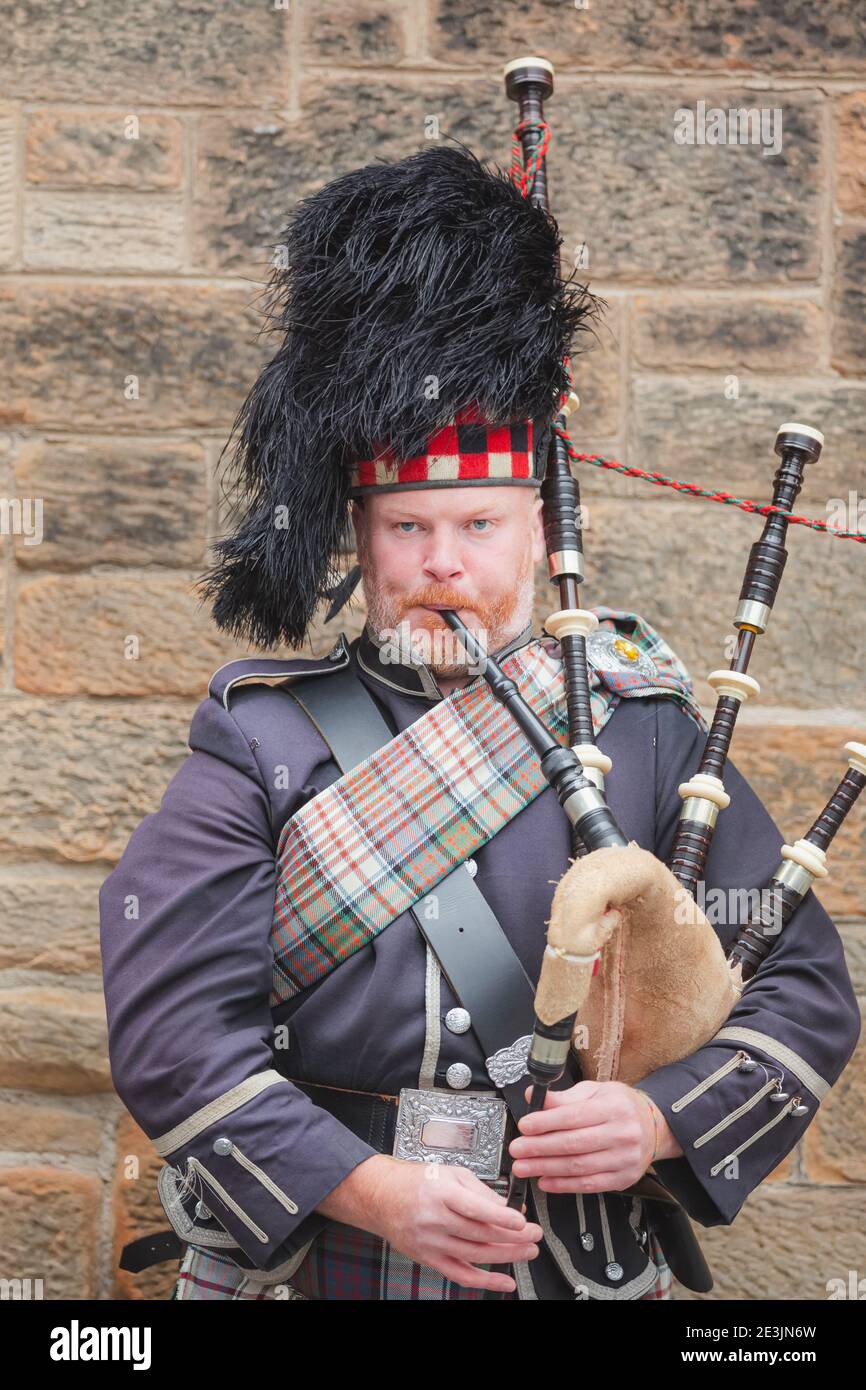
(388, 602)
(437, 594)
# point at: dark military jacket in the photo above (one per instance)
(200, 1059)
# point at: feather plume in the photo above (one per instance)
(410, 290)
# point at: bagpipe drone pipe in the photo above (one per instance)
(614, 890)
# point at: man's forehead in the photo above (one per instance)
(451, 501)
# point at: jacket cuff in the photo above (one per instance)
(736, 1107)
(256, 1162)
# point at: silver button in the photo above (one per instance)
(613, 1271)
(471, 867)
(587, 1240)
(458, 1075)
(202, 1212)
(222, 1146)
(457, 1020)
(779, 1097)
(746, 1065)
(800, 1109)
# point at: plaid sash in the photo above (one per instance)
(364, 850)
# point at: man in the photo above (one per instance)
(272, 1025)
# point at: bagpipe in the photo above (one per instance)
(616, 894)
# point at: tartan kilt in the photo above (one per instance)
(347, 1263)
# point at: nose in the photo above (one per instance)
(442, 561)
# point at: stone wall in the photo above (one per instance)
(148, 156)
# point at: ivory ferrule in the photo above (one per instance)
(705, 788)
(856, 756)
(734, 684)
(571, 622)
(592, 757)
(794, 427)
(596, 776)
(531, 61)
(808, 856)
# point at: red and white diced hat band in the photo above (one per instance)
(468, 451)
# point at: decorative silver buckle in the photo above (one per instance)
(445, 1127)
(510, 1063)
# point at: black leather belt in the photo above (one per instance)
(369, 1115)
(373, 1117)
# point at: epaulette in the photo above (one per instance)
(254, 668)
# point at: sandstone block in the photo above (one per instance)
(114, 502)
(49, 1228)
(102, 635)
(53, 1040)
(189, 54)
(103, 149)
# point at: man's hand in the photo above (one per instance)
(597, 1136)
(437, 1214)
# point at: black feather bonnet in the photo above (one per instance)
(433, 268)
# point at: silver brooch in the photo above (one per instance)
(509, 1063)
(608, 651)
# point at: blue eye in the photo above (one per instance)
(480, 521)
(406, 523)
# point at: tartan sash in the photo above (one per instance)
(365, 849)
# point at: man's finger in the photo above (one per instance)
(563, 1117)
(581, 1090)
(592, 1139)
(568, 1165)
(490, 1232)
(599, 1182)
(470, 1278)
(478, 1206)
(493, 1254)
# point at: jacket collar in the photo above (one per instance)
(410, 678)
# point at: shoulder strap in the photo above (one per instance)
(467, 938)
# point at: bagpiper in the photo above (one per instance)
(290, 1022)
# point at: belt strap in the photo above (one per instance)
(467, 938)
(140, 1254)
